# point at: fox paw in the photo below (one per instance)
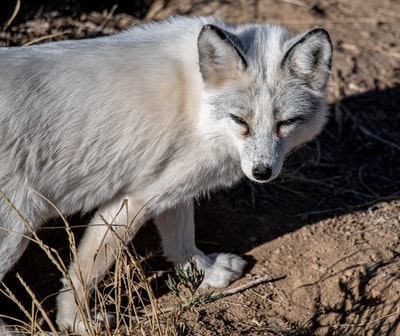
(220, 269)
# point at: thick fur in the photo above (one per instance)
(157, 115)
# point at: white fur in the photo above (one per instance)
(152, 118)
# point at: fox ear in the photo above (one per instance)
(220, 56)
(310, 58)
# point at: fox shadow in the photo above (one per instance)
(353, 165)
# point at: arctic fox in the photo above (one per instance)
(153, 117)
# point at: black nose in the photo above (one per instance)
(262, 172)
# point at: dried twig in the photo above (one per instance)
(391, 53)
(13, 15)
(47, 37)
(250, 284)
(109, 16)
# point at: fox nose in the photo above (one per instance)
(262, 172)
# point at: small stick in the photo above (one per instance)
(14, 14)
(252, 283)
(46, 37)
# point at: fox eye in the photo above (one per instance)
(289, 122)
(241, 122)
(286, 123)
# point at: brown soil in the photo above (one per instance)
(327, 231)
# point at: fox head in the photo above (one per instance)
(264, 91)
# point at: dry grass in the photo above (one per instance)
(127, 292)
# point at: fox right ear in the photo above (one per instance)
(220, 56)
(310, 58)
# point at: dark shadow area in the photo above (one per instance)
(72, 8)
(38, 21)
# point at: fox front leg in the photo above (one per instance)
(176, 227)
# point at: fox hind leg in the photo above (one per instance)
(113, 225)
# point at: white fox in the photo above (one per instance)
(157, 115)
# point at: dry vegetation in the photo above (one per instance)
(325, 234)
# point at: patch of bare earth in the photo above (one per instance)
(327, 232)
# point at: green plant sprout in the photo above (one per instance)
(185, 284)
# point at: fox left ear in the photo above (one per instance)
(310, 58)
(220, 56)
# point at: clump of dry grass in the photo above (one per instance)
(130, 310)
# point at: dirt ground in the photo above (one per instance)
(327, 232)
